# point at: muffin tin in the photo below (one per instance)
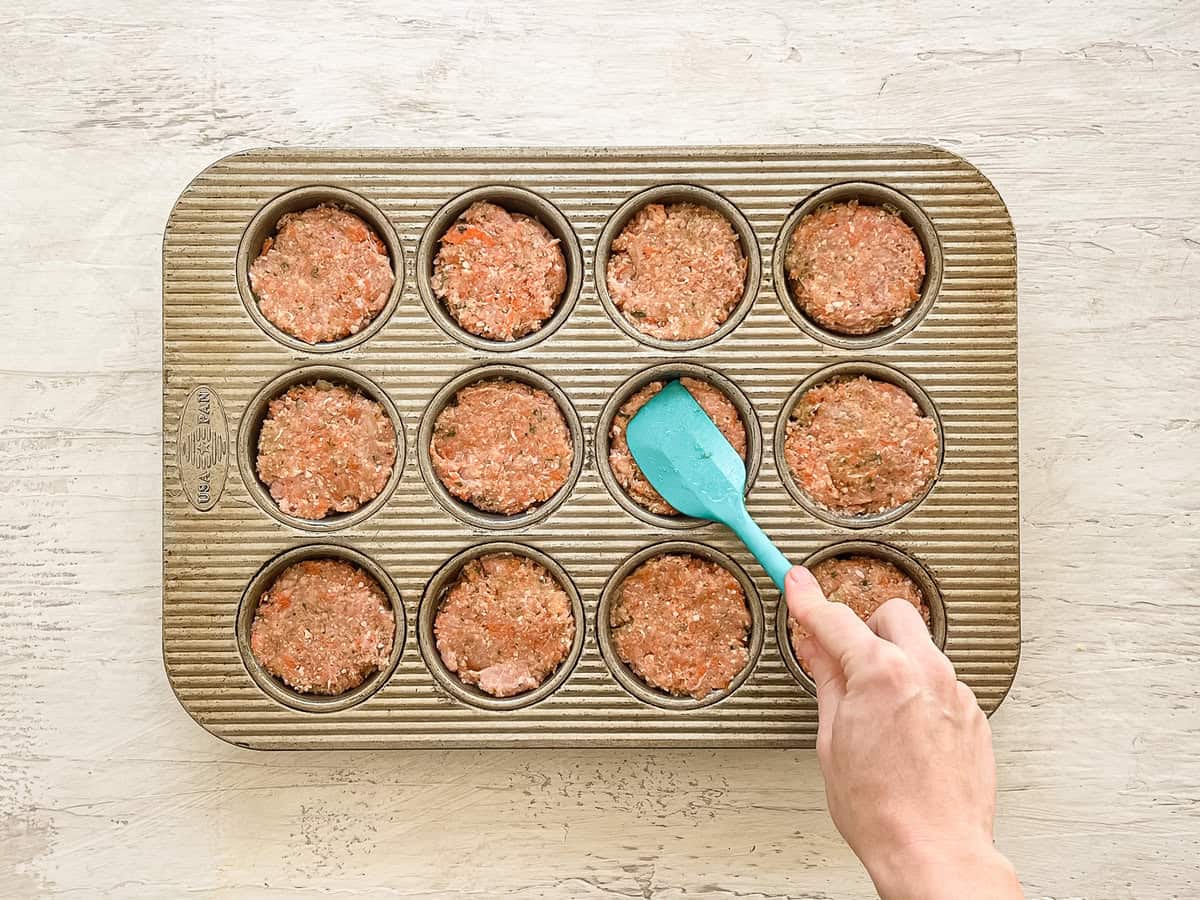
(223, 539)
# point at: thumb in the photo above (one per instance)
(802, 592)
(843, 635)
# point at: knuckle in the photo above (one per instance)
(942, 670)
(891, 666)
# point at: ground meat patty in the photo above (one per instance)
(863, 583)
(860, 446)
(323, 276)
(323, 626)
(854, 269)
(501, 446)
(324, 448)
(499, 274)
(505, 625)
(677, 271)
(681, 623)
(719, 408)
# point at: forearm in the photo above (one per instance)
(979, 873)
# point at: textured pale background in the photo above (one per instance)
(1087, 118)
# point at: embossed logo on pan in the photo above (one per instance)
(202, 448)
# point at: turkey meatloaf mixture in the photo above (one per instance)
(863, 583)
(502, 446)
(323, 276)
(499, 274)
(681, 624)
(860, 446)
(711, 399)
(505, 624)
(323, 627)
(325, 448)
(676, 271)
(854, 268)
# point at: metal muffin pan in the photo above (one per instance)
(222, 365)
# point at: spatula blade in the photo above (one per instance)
(684, 455)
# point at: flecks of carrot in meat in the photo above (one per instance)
(461, 235)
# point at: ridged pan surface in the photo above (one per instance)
(217, 358)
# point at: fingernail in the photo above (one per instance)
(800, 577)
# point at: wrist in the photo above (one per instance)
(928, 872)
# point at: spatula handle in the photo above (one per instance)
(763, 548)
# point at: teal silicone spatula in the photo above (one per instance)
(687, 459)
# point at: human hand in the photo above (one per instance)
(904, 748)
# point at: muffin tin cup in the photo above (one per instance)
(251, 425)
(853, 369)
(866, 193)
(515, 200)
(678, 193)
(431, 601)
(902, 561)
(667, 372)
(464, 511)
(263, 226)
(632, 682)
(274, 687)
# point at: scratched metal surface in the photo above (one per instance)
(963, 354)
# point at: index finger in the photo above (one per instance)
(835, 626)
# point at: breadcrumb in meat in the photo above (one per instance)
(711, 399)
(855, 268)
(676, 271)
(499, 274)
(323, 627)
(860, 446)
(505, 624)
(681, 623)
(324, 448)
(502, 446)
(863, 583)
(323, 276)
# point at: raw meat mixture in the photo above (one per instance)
(499, 274)
(853, 268)
(681, 623)
(864, 583)
(719, 408)
(677, 271)
(323, 276)
(323, 627)
(505, 624)
(325, 448)
(860, 446)
(502, 446)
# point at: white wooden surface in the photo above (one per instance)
(1087, 118)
